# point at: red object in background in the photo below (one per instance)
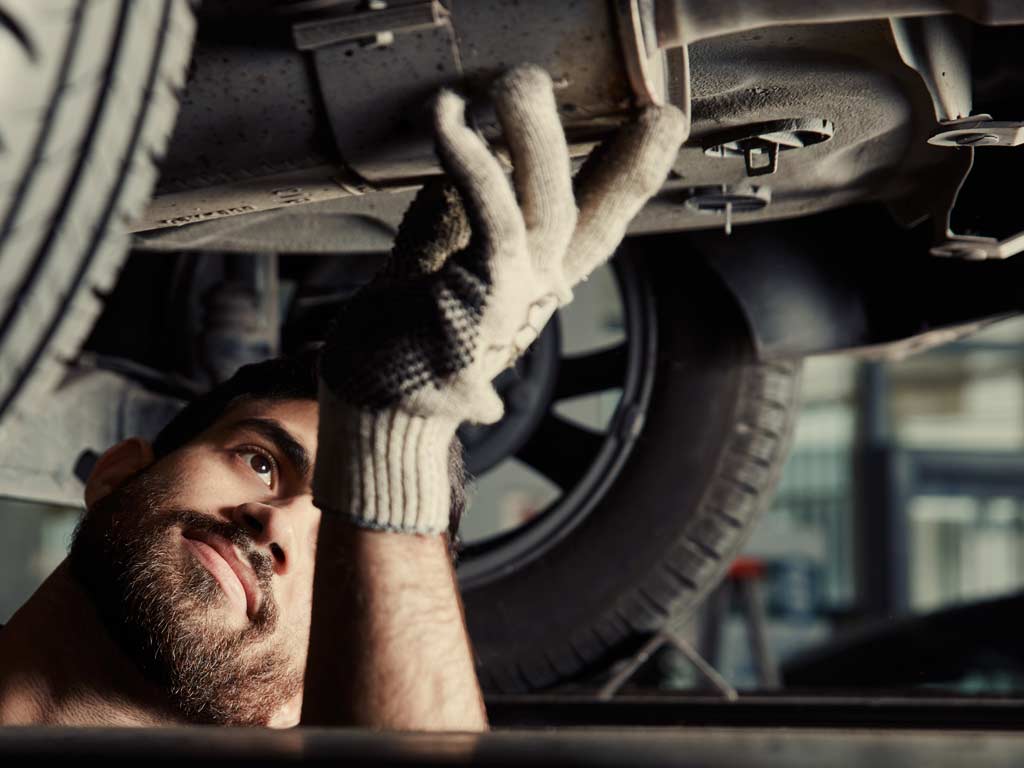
(746, 568)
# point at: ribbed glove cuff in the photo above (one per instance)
(386, 470)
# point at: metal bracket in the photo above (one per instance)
(378, 24)
(936, 47)
(753, 155)
(378, 67)
(972, 247)
(975, 248)
(978, 131)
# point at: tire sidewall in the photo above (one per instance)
(594, 588)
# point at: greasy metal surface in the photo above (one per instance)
(753, 747)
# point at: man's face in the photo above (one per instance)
(202, 564)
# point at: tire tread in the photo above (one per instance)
(124, 101)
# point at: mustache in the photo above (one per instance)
(193, 520)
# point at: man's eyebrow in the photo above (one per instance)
(282, 439)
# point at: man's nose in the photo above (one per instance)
(271, 528)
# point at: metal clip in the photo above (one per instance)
(756, 167)
(760, 144)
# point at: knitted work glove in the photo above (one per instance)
(467, 289)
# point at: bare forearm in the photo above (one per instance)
(388, 644)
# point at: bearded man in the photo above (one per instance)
(281, 552)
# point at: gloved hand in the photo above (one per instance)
(472, 280)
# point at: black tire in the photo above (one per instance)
(88, 97)
(715, 437)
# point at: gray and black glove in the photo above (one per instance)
(477, 270)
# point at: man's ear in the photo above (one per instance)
(115, 466)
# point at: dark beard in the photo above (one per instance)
(161, 607)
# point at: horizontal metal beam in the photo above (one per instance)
(758, 747)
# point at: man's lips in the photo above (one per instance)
(235, 577)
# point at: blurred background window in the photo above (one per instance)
(902, 497)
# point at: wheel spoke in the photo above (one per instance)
(561, 451)
(593, 372)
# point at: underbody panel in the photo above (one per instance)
(265, 126)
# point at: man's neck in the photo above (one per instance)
(60, 666)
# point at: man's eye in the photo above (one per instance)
(261, 464)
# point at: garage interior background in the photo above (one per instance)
(902, 496)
